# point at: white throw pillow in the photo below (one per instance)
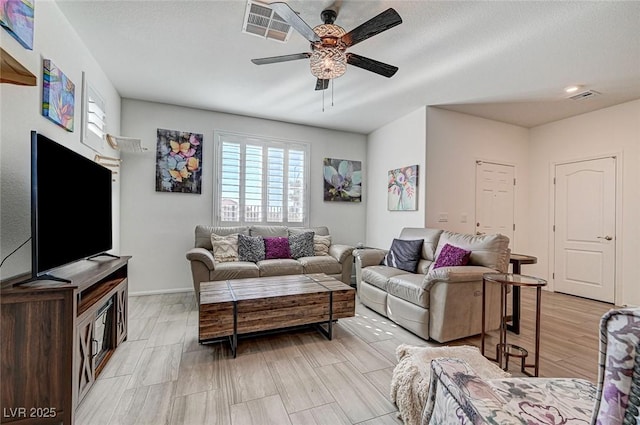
(225, 248)
(321, 244)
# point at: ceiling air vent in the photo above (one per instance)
(584, 95)
(261, 21)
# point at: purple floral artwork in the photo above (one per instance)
(16, 16)
(179, 162)
(342, 180)
(402, 192)
(58, 96)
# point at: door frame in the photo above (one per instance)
(515, 195)
(617, 296)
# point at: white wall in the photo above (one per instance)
(20, 112)
(398, 144)
(454, 142)
(158, 228)
(614, 130)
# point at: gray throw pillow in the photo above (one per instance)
(250, 248)
(301, 245)
(404, 254)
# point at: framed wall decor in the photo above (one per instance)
(342, 180)
(16, 16)
(402, 190)
(58, 96)
(179, 161)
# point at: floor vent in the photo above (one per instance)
(261, 21)
(584, 95)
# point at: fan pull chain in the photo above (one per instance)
(332, 91)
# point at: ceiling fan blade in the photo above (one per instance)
(322, 84)
(292, 18)
(276, 59)
(381, 68)
(382, 22)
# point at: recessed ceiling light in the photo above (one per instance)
(572, 89)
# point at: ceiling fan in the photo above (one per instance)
(329, 42)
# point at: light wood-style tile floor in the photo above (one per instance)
(162, 375)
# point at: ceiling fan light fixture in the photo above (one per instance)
(328, 62)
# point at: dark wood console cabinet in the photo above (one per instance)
(57, 337)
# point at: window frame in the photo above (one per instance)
(243, 140)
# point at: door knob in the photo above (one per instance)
(606, 238)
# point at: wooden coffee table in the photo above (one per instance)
(230, 308)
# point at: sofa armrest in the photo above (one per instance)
(202, 255)
(342, 253)
(366, 257)
(455, 274)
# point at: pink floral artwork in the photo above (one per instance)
(402, 193)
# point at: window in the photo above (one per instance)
(261, 181)
(94, 117)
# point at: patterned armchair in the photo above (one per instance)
(458, 396)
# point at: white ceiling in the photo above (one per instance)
(504, 60)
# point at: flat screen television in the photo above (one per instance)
(71, 215)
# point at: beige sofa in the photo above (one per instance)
(442, 304)
(338, 263)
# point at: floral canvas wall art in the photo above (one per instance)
(178, 162)
(58, 96)
(16, 16)
(342, 180)
(403, 189)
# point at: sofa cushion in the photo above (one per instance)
(430, 237)
(424, 266)
(225, 248)
(408, 287)
(234, 270)
(318, 230)
(250, 248)
(321, 244)
(276, 248)
(269, 231)
(379, 275)
(279, 267)
(486, 250)
(451, 256)
(320, 264)
(203, 234)
(404, 254)
(301, 245)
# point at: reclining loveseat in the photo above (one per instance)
(438, 295)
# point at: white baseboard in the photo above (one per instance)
(160, 292)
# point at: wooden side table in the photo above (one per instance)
(504, 350)
(517, 260)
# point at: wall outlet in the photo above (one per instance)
(443, 217)
(463, 218)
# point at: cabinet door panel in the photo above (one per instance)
(85, 372)
(121, 313)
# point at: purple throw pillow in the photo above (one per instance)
(451, 256)
(276, 248)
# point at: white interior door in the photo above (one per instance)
(495, 185)
(585, 212)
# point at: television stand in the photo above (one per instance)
(48, 355)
